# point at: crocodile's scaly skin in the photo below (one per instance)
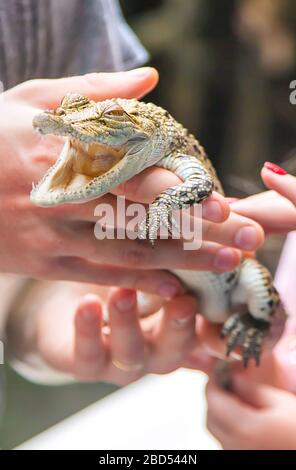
(111, 141)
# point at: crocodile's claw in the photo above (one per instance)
(245, 331)
(158, 215)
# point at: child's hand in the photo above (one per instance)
(252, 417)
(274, 210)
(72, 339)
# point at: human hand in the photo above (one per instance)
(58, 243)
(64, 328)
(36, 241)
(277, 365)
(274, 210)
(252, 416)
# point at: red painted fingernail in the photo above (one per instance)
(274, 168)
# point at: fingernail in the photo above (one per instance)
(180, 322)
(88, 314)
(225, 259)
(168, 289)
(275, 168)
(246, 238)
(212, 210)
(126, 301)
(141, 72)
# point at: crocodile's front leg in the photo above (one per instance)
(197, 186)
(255, 289)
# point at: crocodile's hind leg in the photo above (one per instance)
(197, 186)
(248, 330)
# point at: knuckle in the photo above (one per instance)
(34, 82)
(209, 230)
(88, 373)
(66, 264)
(136, 257)
(51, 243)
(192, 261)
(93, 79)
(56, 268)
(41, 269)
(91, 358)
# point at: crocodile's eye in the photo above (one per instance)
(74, 100)
(114, 110)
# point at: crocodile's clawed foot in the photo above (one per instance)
(158, 216)
(245, 331)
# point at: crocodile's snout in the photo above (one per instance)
(46, 123)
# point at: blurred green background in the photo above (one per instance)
(225, 68)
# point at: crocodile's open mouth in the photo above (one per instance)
(81, 162)
(88, 169)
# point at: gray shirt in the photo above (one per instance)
(55, 38)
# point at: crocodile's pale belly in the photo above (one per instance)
(213, 290)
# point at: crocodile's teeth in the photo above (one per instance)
(77, 173)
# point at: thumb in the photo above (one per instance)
(48, 93)
(254, 394)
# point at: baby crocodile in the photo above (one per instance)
(111, 141)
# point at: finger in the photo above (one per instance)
(48, 93)
(227, 410)
(255, 394)
(273, 212)
(139, 254)
(209, 335)
(277, 179)
(77, 269)
(146, 186)
(214, 209)
(237, 231)
(148, 303)
(89, 351)
(199, 360)
(176, 334)
(126, 337)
